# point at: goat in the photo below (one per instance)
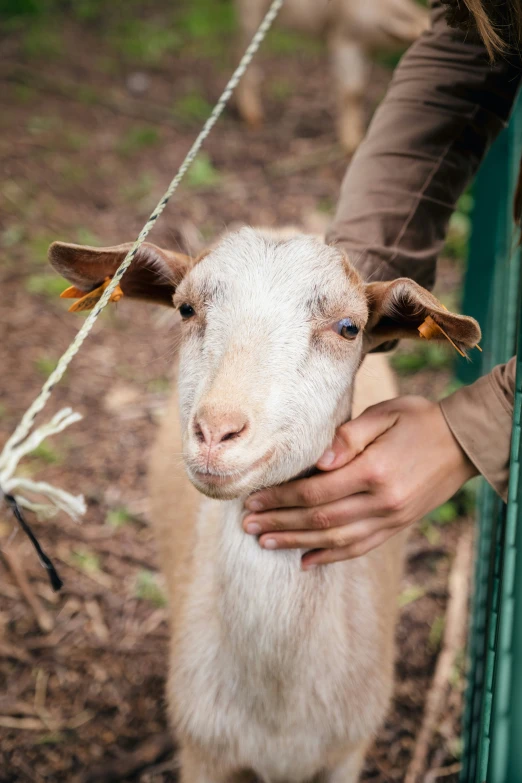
(276, 673)
(354, 30)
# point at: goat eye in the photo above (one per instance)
(186, 311)
(346, 328)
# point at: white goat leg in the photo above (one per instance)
(349, 770)
(248, 92)
(192, 770)
(351, 68)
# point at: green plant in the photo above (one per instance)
(281, 89)
(436, 632)
(388, 59)
(38, 124)
(48, 285)
(146, 41)
(326, 205)
(37, 247)
(73, 172)
(429, 531)
(137, 139)
(202, 173)
(140, 188)
(87, 94)
(147, 588)
(53, 738)
(24, 93)
(119, 517)
(42, 40)
(459, 230)
(86, 560)
(422, 356)
(12, 235)
(47, 454)
(86, 237)
(192, 107)
(288, 42)
(158, 385)
(75, 140)
(411, 594)
(207, 27)
(45, 365)
(445, 514)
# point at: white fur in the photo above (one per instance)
(273, 670)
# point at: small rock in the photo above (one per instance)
(138, 83)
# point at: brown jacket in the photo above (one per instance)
(443, 109)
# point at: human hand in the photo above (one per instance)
(386, 469)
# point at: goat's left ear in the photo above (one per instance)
(153, 275)
(398, 308)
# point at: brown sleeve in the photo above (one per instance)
(444, 107)
(480, 417)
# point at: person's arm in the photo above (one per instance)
(444, 107)
(403, 458)
(388, 468)
(480, 417)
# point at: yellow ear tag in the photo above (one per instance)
(87, 301)
(429, 329)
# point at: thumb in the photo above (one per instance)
(356, 435)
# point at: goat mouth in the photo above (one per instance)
(214, 478)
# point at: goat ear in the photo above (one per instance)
(399, 307)
(153, 275)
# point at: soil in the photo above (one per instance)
(84, 700)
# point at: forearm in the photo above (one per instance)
(444, 107)
(480, 417)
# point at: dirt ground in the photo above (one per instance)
(93, 127)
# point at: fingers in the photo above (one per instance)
(356, 549)
(353, 437)
(309, 492)
(341, 512)
(337, 538)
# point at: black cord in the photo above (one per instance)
(56, 582)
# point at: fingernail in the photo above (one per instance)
(253, 528)
(327, 458)
(254, 505)
(269, 543)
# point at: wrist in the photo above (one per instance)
(464, 467)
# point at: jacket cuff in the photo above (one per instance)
(481, 422)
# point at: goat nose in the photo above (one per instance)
(216, 428)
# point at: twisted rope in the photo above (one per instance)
(22, 441)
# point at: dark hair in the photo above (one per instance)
(499, 25)
(498, 22)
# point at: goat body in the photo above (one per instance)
(354, 29)
(276, 674)
(275, 671)
(282, 672)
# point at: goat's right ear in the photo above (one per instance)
(153, 275)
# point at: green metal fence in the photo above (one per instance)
(493, 717)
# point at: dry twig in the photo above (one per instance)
(453, 642)
(16, 653)
(442, 772)
(147, 754)
(43, 618)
